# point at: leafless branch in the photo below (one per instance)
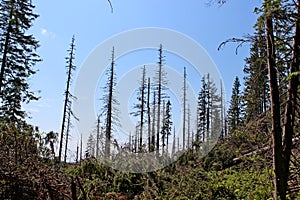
(111, 7)
(235, 40)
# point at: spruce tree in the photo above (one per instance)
(90, 147)
(235, 107)
(167, 126)
(17, 57)
(201, 112)
(256, 92)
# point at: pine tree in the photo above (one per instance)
(90, 147)
(209, 105)
(235, 107)
(213, 108)
(256, 92)
(17, 57)
(201, 112)
(167, 126)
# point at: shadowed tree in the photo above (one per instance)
(17, 57)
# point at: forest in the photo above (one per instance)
(245, 148)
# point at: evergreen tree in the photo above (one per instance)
(167, 126)
(90, 147)
(17, 57)
(256, 92)
(209, 103)
(201, 112)
(214, 106)
(235, 107)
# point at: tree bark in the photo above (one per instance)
(292, 93)
(278, 165)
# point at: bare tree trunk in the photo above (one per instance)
(163, 129)
(80, 158)
(184, 108)
(280, 186)
(77, 152)
(67, 97)
(98, 135)
(149, 117)
(142, 106)
(159, 97)
(109, 107)
(67, 134)
(174, 143)
(153, 121)
(290, 107)
(130, 142)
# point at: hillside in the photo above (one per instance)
(239, 167)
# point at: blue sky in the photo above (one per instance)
(92, 22)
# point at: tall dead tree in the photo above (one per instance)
(143, 88)
(149, 115)
(153, 121)
(109, 100)
(68, 132)
(174, 142)
(141, 106)
(70, 68)
(160, 86)
(184, 109)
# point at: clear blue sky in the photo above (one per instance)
(92, 22)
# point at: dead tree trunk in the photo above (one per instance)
(149, 117)
(279, 170)
(67, 95)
